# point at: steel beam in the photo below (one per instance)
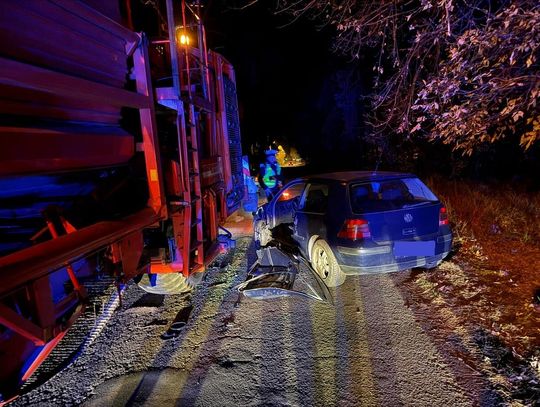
(221, 117)
(149, 129)
(29, 264)
(89, 14)
(34, 150)
(22, 326)
(32, 77)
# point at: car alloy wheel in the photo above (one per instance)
(325, 264)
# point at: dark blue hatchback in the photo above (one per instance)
(359, 223)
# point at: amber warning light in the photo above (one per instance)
(184, 39)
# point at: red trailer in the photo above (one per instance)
(119, 153)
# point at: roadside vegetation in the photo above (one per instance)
(487, 295)
(461, 72)
(498, 213)
(497, 230)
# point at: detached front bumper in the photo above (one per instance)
(381, 258)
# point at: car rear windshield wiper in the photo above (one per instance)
(417, 204)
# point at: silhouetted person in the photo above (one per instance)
(270, 175)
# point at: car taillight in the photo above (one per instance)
(443, 217)
(355, 229)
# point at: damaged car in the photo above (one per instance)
(282, 272)
(358, 223)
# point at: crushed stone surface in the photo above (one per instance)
(367, 349)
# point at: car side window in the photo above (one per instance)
(291, 192)
(316, 200)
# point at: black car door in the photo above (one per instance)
(285, 204)
(310, 217)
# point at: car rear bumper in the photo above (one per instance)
(393, 267)
(381, 258)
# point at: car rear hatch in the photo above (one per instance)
(403, 224)
(396, 209)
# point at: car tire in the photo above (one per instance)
(262, 234)
(325, 264)
(432, 265)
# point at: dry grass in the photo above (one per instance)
(485, 293)
(478, 210)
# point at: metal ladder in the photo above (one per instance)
(193, 223)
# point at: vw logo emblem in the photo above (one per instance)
(408, 218)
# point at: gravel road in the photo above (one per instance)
(366, 350)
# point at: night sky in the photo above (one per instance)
(286, 75)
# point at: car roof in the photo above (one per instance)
(348, 176)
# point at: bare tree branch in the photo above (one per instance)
(464, 72)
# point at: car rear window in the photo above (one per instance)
(375, 196)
